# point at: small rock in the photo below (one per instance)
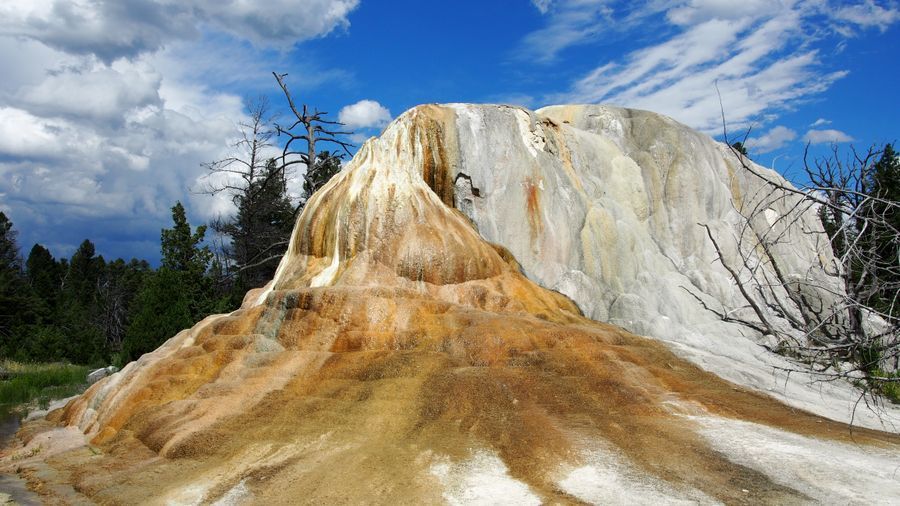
(99, 374)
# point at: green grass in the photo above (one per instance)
(889, 389)
(40, 383)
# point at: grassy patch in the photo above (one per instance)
(889, 388)
(40, 383)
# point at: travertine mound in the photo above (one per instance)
(608, 206)
(400, 358)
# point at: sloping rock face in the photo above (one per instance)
(610, 206)
(398, 357)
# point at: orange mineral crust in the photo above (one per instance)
(399, 358)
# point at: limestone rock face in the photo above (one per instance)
(402, 355)
(608, 206)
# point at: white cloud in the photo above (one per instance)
(542, 5)
(102, 93)
(774, 139)
(280, 22)
(826, 136)
(128, 28)
(109, 107)
(820, 122)
(365, 114)
(22, 134)
(758, 54)
(865, 15)
(570, 23)
(697, 11)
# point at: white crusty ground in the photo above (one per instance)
(827, 471)
(607, 478)
(483, 479)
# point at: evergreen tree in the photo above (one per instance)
(326, 166)
(740, 148)
(181, 249)
(882, 234)
(9, 250)
(78, 310)
(45, 277)
(177, 295)
(261, 228)
(117, 288)
(18, 306)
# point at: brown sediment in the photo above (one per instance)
(533, 207)
(429, 343)
(429, 377)
(556, 136)
(434, 133)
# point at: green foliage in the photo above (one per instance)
(117, 289)
(40, 381)
(44, 342)
(165, 306)
(862, 218)
(326, 166)
(882, 236)
(9, 251)
(740, 148)
(176, 296)
(891, 389)
(45, 276)
(181, 250)
(89, 311)
(18, 305)
(261, 228)
(78, 307)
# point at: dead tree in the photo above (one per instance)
(251, 241)
(236, 173)
(845, 324)
(256, 177)
(311, 127)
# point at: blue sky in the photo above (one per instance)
(108, 108)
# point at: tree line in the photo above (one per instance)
(87, 310)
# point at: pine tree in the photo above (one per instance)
(261, 228)
(181, 250)
(178, 294)
(883, 232)
(326, 166)
(78, 311)
(17, 304)
(740, 148)
(117, 288)
(45, 276)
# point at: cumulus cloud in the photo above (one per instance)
(102, 93)
(826, 137)
(757, 54)
(774, 139)
(128, 28)
(22, 134)
(365, 114)
(108, 108)
(820, 122)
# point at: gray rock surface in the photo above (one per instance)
(98, 374)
